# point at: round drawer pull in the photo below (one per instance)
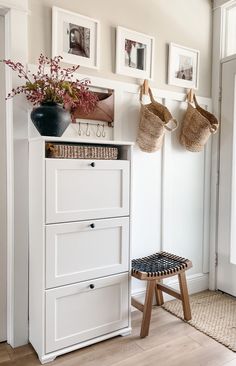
(92, 226)
(92, 164)
(91, 286)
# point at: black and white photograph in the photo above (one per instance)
(76, 38)
(134, 53)
(183, 67)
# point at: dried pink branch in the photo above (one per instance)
(56, 86)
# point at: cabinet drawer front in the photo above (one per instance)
(75, 190)
(77, 313)
(84, 250)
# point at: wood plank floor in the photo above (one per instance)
(171, 342)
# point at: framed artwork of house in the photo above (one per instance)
(75, 37)
(183, 67)
(134, 53)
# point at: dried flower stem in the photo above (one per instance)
(58, 86)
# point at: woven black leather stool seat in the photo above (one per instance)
(159, 265)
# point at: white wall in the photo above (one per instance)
(3, 195)
(170, 187)
(170, 211)
(186, 22)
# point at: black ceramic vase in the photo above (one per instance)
(50, 119)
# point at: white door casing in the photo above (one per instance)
(3, 192)
(16, 48)
(226, 271)
(219, 42)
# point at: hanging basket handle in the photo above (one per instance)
(142, 93)
(174, 121)
(190, 96)
(164, 124)
(213, 127)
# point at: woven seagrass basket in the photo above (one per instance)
(197, 126)
(76, 151)
(154, 118)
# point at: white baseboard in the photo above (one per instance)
(196, 283)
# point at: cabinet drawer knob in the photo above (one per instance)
(92, 164)
(92, 226)
(92, 286)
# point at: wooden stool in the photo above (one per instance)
(154, 269)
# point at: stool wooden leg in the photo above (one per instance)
(184, 296)
(159, 296)
(147, 310)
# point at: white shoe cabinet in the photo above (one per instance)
(79, 239)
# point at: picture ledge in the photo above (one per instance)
(125, 86)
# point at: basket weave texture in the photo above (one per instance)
(67, 151)
(196, 128)
(153, 120)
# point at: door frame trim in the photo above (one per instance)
(219, 10)
(11, 9)
(3, 243)
(10, 189)
(224, 61)
(228, 58)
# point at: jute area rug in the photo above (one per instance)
(213, 313)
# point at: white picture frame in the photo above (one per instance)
(183, 66)
(139, 62)
(76, 38)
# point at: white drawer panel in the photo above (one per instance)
(75, 190)
(84, 250)
(77, 312)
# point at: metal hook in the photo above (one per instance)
(103, 131)
(98, 133)
(87, 130)
(79, 130)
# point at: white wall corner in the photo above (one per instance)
(220, 3)
(14, 4)
(217, 53)
(16, 30)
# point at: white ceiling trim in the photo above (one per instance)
(14, 4)
(221, 3)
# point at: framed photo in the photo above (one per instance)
(75, 37)
(183, 67)
(134, 53)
